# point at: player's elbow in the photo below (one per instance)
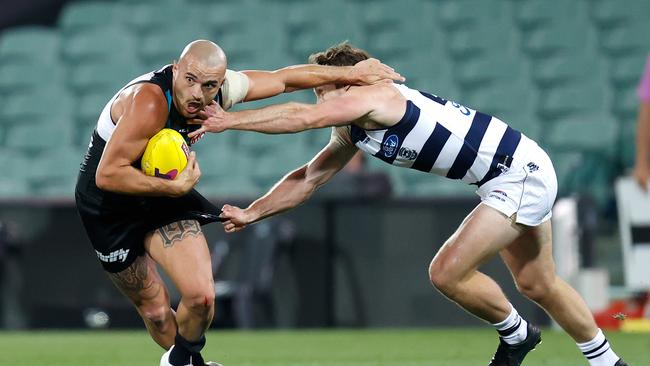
(104, 179)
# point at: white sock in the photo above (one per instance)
(598, 352)
(514, 329)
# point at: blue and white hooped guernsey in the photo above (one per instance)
(443, 137)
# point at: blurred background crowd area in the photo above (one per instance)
(564, 72)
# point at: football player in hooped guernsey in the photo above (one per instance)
(135, 221)
(415, 129)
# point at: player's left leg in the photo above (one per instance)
(530, 259)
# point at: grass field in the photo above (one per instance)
(305, 348)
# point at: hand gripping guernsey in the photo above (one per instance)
(513, 174)
(116, 223)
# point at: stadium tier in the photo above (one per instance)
(564, 72)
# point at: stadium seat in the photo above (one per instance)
(34, 45)
(322, 36)
(565, 68)
(627, 143)
(81, 16)
(53, 171)
(229, 186)
(626, 103)
(90, 107)
(93, 77)
(165, 44)
(626, 39)
(455, 14)
(99, 44)
(626, 71)
(530, 14)
(24, 77)
(594, 133)
(36, 137)
(572, 99)
(150, 17)
(481, 38)
(50, 103)
(494, 67)
(609, 14)
(557, 38)
(14, 188)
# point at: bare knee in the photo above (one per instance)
(158, 315)
(200, 300)
(537, 288)
(441, 277)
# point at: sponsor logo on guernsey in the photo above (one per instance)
(118, 255)
(408, 154)
(390, 145)
(500, 195)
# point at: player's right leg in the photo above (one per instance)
(182, 251)
(141, 284)
(453, 271)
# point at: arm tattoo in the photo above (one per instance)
(133, 279)
(176, 231)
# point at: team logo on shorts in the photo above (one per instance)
(390, 145)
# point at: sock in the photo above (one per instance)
(183, 350)
(598, 351)
(514, 329)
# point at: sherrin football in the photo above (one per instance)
(166, 155)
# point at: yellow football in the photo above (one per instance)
(166, 155)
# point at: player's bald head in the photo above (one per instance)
(204, 52)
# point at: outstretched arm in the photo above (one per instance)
(295, 117)
(266, 84)
(294, 189)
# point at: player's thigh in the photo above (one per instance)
(530, 257)
(181, 250)
(482, 234)
(141, 283)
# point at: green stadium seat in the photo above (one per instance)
(48, 104)
(322, 36)
(566, 164)
(14, 188)
(626, 39)
(91, 77)
(626, 71)
(35, 45)
(36, 137)
(610, 14)
(455, 14)
(53, 171)
(593, 133)
(494, 67)
(557, 38)
(164, 45)
(565, 68)
(627, 143)
(229, 186)
(259, 143)
(481, 39)
(151, 17)
(24, 77)
(626, 103)
(100, 44)
(81, 16)
(572, 99)
(303, 15)
(531, 14)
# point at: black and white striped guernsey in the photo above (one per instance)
(443, 137)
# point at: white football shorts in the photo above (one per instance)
(525, 192)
